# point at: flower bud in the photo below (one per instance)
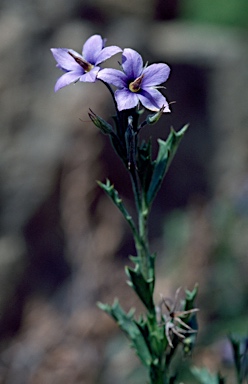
(154, 118)
(100, 123)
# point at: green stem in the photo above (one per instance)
(142, 246)
(143, 233)
(157, 374)
(112, 93)
(136, 187)
(115, 103)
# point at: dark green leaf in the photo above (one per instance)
(143, 288)
(240, 355)
(204, 376)
(114, 196)
(130, 328)
(190, 297)
(166, 152)
(145, 164)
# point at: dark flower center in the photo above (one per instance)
(83, 63)
(134, 86)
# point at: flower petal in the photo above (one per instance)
(90, 76)
(153, 100)
(92, 48)
(132, 63)
(106, 53)
(66, 79)
(113, 76)
(64, 60)
(155, 74)
(125, 99)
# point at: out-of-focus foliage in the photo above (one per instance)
(231, 12)
(212, 247)
(206, 377)
(224, 261)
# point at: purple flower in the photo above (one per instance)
(137, 83)
(82, 67)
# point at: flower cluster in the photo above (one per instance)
(136, 84)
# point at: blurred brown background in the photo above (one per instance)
(62, 244)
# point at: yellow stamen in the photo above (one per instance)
(134, 86)
(83, 63)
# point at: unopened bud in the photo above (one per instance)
(100, 123)
(154, 118)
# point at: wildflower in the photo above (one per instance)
(82, 67)
(137, 83)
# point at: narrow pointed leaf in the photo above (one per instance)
(114, 196)
(129, 327)
(145, 164)
(166, 152)
(205, 377)
(240, 355)
(190, 297)
(143, 288)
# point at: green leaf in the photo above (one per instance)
(142, 287)
(205, 377)
(114, 196)
(191, 320)
(166, 152)
(190, 297)
(240, 355)
(145, 164)
(107, 129)
(130, 328)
